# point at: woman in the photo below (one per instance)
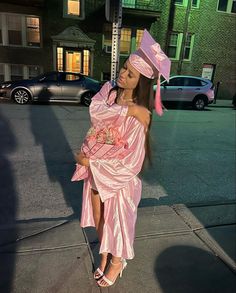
(120, 117)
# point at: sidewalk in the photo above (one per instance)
(178, 249)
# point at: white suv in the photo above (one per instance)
(182, 88)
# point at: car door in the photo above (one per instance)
(192, 87)
(172, 90)
(48, 87)
(71, 85)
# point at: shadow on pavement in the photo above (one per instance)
(190, 269)
(8, 204)
(58, 156)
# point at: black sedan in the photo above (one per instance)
(52, 86)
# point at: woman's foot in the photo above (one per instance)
(99, 272)
(115, 269)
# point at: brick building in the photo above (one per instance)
(38, 36)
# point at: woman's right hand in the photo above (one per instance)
(141, 113)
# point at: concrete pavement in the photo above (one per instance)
(178, 249)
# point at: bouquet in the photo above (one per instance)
(100, 143)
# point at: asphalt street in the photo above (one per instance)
(193, 159)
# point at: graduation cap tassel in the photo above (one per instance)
(158, 103)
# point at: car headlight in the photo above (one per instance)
(5, 85)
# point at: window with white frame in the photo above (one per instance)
(228, 6)
(188, 47)
(175, 46)
(19, 30)
(195, 3)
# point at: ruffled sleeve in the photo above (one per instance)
(105, 113)
(112, 174)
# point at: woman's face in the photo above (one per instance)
(128, 77)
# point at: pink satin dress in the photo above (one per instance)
(115, 179)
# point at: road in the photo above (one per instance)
(193, 159)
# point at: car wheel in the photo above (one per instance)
(199, 103)
(86, 98)
(21, 96)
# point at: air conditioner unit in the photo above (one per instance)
(107, 48)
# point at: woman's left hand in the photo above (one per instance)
(81, 159)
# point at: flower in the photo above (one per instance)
(107, 135)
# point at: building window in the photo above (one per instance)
(19, 30)
(59, 59)
(139, 35)
(32, 31)
(1, 72)
(195, 3)
(175, 46)
(86, 62)
(188, 47)
(73, 9)
(130, 39)
(125, 41)
(33, 71)
(14, 26)
(228, 6)
(16, 71)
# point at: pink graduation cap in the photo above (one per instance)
(151, 62)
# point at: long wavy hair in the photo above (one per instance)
(142, 95)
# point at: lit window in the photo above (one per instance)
(16, 72)
(228, 6)
(73, 61)
(86, 62)
(125, 41)
(32, 31)
(14, 29)
(60, 59)
(139, 34)
(73, 7)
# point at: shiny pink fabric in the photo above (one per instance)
(116, 179)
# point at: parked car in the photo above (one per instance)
(188, 89)
(52, 86)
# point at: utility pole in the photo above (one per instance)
(114, 15)
(185, 34)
